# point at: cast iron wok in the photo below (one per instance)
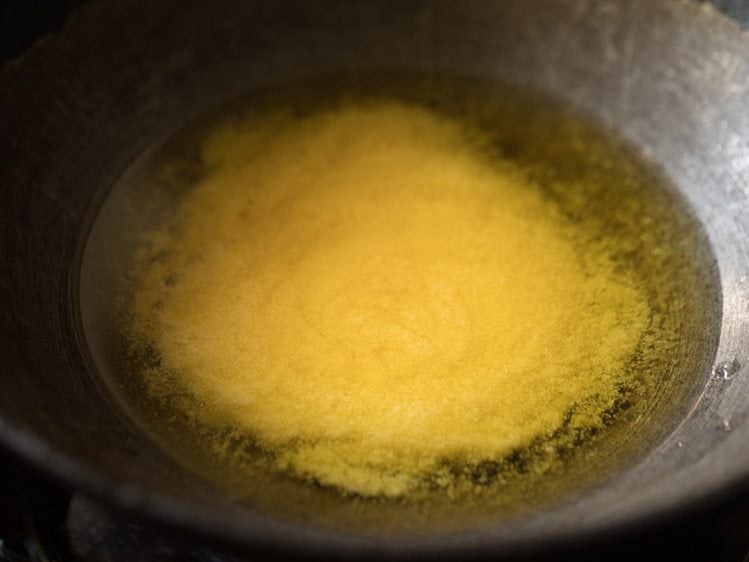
(671, 77)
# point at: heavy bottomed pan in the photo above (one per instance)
(670, 77)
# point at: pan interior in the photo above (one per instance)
(593, 181)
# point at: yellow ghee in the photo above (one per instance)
(369, 296)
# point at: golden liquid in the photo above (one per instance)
(404, 300)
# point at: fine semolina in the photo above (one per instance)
(370, 296)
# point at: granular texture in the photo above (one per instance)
(371, 297)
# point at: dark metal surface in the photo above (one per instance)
(24, 21)
(671, 76)
(736, 9)
(718, 535)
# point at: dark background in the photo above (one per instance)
(33, 524)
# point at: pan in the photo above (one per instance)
(85, 111)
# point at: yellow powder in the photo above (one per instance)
(368, 296)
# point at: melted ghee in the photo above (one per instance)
(369, 295)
